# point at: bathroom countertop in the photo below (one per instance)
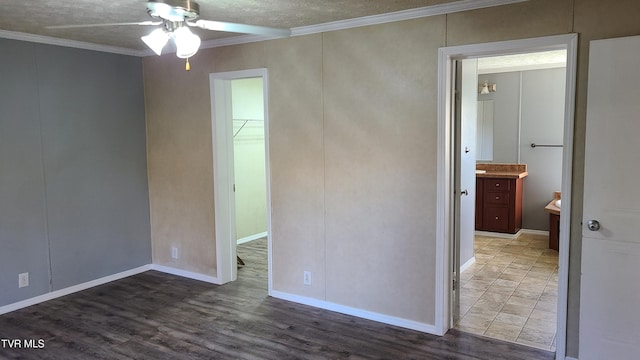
(503, 174)
(551, 207)
(505, 171)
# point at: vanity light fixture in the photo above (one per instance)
(486, 88)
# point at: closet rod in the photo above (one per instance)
(534, 145)
(241, 127)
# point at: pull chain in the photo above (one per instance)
(187, 66)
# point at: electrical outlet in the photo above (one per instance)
(23, 280)
(307, 278)
(174, 252)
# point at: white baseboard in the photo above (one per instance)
(72, 289)
(511, 236)
(385, 319)
(534, 232)
(186, 274)
(466, 265)
(498, 235)
(249, 238)
(89, 284)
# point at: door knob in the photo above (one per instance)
(464, 192)
(593, 225)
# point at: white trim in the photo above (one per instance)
(445, 175)
(103, 280)
(567, 179)
(534, 232)
(185, 274)
(223, 194)
(510, 236)
(233, 40)
(570, 358)
(466, 265)
(250, 238)
(426, 11)
(497, 235)
(224, 197)
(444, 196)
(72, 289)
(369, 315)
(40, 39)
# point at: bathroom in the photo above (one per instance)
(528, 108)
(509, 277)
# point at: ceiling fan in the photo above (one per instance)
(175, 18)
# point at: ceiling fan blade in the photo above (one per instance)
(102, 25)
(240, 28)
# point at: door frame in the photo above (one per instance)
(223, 171)
(446, 167)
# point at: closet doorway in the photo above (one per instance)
(241, 171)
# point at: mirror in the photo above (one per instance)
(484, 132)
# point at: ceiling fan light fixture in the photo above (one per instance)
(173, 10)
(156, 40)
(187, 43)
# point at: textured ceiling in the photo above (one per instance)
(32, 16)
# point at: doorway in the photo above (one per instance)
(448, 155)
(508, 277)
(239, 102)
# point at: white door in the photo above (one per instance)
(465, 181)
(469, 114)
(610, 289)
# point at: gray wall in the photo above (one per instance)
(73, 187)
(536, 97)
(542, 123)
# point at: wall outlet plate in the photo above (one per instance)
(174, 252)
(23, 280)
(307, 278)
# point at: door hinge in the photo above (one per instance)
(234, 187)
(454, 285)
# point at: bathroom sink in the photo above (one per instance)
(558, 202)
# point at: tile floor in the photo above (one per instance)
(511, 291)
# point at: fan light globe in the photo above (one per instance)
(187, 43)
(156, 40)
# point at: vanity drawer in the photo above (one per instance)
(497, 198)
(493, 184)
(496, 219)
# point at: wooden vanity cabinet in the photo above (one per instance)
(499, 204)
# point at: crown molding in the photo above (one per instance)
(440, 9)
(68, 43)
(235, 40)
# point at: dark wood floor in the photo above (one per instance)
(160, 316)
